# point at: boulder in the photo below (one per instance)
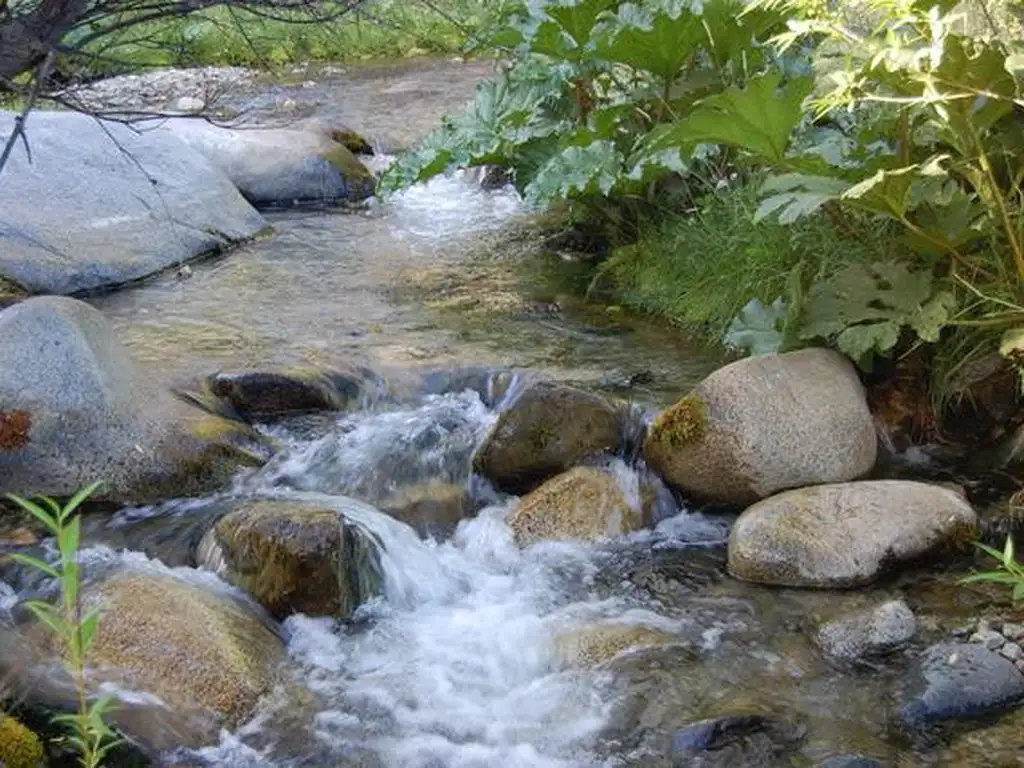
(432, 509)
(845, 534)
(867, 633)
(197, 658)
(736, 740)
(584, 504)
(101, 205)
(19, 747)
(957, 680)
(547, 430)
(594, 645)
(292, 557)
(255, 396)
(765, 424)
(278, 166)
(74, 408)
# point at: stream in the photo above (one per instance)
(461, 662)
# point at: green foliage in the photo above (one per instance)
(605, 99)
(75, 629)
(1009, 571)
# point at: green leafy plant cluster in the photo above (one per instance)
(74, 628)
(604, 100)
(1009, 570)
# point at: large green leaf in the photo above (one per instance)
(576, 17)
(577, 171)
(757, 329)
(758, 118)
(791, 196)
(659, 37)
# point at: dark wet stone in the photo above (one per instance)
(850, 761)
(735, 740)
(874, 631)
(958, 680)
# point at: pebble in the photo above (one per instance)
(1012, 651)
(1013, 631)
(988, 638)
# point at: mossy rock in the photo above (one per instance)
(293, 558)
(600, 643)
(19, 747)
(10, 292)
(432, 509)
(765, 424)
(549, 429)
(582, 504)
(352, 141)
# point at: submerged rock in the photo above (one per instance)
(432, 509)
(189, 659)
(845, 534)
(549, 429)
(19, 747)
(870, 632)
(765, 424)
(958, 680)
(101, 204)
(278, 166)
(74, 408)
(594, 645)
(584, 503)
(255, 396)
(850, 761)
(746, 740)
(292, 558)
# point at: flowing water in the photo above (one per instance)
(461, 660)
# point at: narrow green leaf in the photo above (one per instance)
(49, 616)
(1018, 592)
(67, 539)
(79, 498)
(90, 622)
(1008, 558)
(36, 563)
(36, 511)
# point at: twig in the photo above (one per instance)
(18, 132)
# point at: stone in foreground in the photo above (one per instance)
(548, 430)
(958, 680)
(292, 557)
(74, 409)
(584, 504)
(765, 424)
(101, 205)
(867, 633)
(846, 534)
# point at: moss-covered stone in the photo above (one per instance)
(19, 747)
(583, 503)
(683, 424)
(290, 557)
(597, 644)
(549, 429)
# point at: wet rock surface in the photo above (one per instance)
(958, 680)
(747, 740)
(584, 504)
(868, 633)
(548, 429)
(292, 558)
(739, 436)
(75, 408)
(67, 228)
(845, 534)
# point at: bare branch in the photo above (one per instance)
(18, 132)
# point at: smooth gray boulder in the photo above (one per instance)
(846, 534)
(278, 166)
(74, 409)
(101, 204)
(956, 680)
(766, 424)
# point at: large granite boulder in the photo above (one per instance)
(584, 504)
(846, 534)
(765, 424)
(278, 166)
(74, 409)
(100, 205)
(192, 658)
(293, 557)
(549, 429)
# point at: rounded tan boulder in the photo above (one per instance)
(584, 504)
(846, 534)
(766, 424)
